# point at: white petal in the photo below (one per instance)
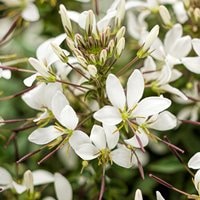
(6, 178)
(112, 135)
(41, 177)
(29, 80)
(115, 91)
(108, 115)
(50, 91)
(59, 101)
(62, 187)
(87, 151)
(180, 12)
(159, 196)
(45, 52)
(122, 157)
(44, 135)
(181, 47)
(39, 67)
(196, 46)
(6, 74)
(165, 75)
(175, 75)
(165, 121)
(98, 137)
(135, 88)
(31, 13)
(192, 64)
(78, 138)
(151, 106)
(197, 181)
(173, 90)
(135, 140)
(19, 188)
(194, 162)
(68, 117)
(172, 35)
(48, 198)
(138, 195)
(34, 97)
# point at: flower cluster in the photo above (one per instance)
(94, 102)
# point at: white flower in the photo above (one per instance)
(100, 144)
(30, 11)
(30, 180)
(65, 115)
(192, 63)
(174, 48)
(129, 107)
(160, 79)
(40, 97)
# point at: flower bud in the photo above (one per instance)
(89, 22)
(111, 46)
(65, 20)
(197, 14)
(151, 37)
(103, 57)
(120, 33)
(70, 43)
(120, 46)
(61, 53)
(92, 58)
(82, 61)
(92, 70)
(164, 13)
(28, 181)
(120, 13)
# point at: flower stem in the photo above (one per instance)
(102, 184)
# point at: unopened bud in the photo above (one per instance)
(120, 46)
(89, 22)
(186, 3)
(151, 37)
(92, 70)
(61, 53)
(77, 52)
(197, 14)
(82, 61)
(103, 57)
(164, 13)
(65, 20)
(79, 40)
(120, 33)
(70, 43)
(92, 58)
(120, 13)
(28, 181)
(111, 46)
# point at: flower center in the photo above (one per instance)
(104, 156)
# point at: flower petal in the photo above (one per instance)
(135, 88)
(18, 187)
(44, 135)
(173, 90)
(181, 47)
(29, 80)
(62, 187)
(197, 181)
(165, 121)
(68, 117)
(138, 140)
(78, 138)
(6, 178)
(115, 91)
(31, 13)
(122, 157)
(196, 45)
(59, 101)
(159, 196)
(192, 64)
(87, 151)
(112, 135)
(151, 106)
(108, 115)
(98, 137)
(194, 162)
(172, 35)
(138, 195)
(41, 177)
